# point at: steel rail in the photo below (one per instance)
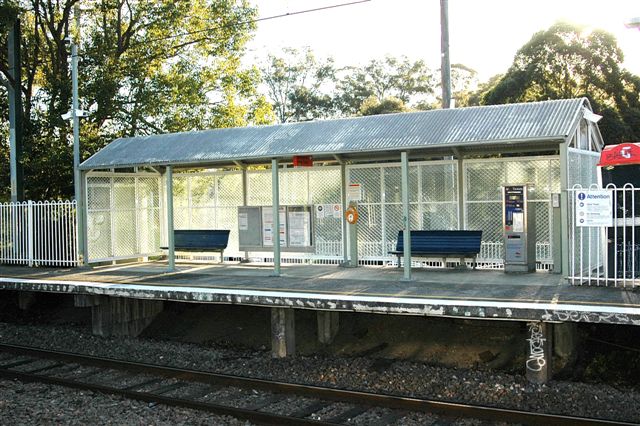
(450, 409)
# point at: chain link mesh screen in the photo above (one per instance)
(123, 216)
(582, 173)
(483, 199)
(432, 203)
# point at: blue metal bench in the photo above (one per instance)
(462, 244)
(215, 240)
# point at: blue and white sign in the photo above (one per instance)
(594, 208)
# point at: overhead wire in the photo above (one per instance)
(266, 18)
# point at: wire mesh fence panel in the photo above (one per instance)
(433, 203)
(123, 215)
(483, 200)
(325, 189)
(259, 187)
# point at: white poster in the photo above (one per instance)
(243, 221)
(337, 211)
(320, 211)
(299, 229)
(267, 226)
(354, 192)
(518, 222)
(594, 208)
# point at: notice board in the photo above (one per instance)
(256, 230)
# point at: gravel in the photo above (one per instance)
(34, 403)
(24, 403)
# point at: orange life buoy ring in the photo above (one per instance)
(351, 214)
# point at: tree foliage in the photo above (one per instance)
(564, 61)
(386, 79)
(146, 67)
(298, 84)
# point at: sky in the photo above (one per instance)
(484, 34)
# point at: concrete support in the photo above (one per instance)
(26, 299)
(539, 352)
(86, 300)
(565, 340)
(283, 332)
(116, 316)
(328, 326)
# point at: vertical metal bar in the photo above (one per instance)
(170, 238)
(343, 221)
(461, 191)
(564, 207)
(30, 232)
(624, 236)
(383, 213)
(275, 201)
(445, 65)
(245, 200)
(633, 234)
(405, 215)
(615, 238)
(15, 111)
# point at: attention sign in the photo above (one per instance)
(594, 208)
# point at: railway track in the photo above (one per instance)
(259, 401)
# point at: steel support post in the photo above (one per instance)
(245, 200)
(15, 113)
(405, 215)
(461, 191)
(445, 65)
(564, 206)
(170, 237)
(275, 186)
(343, 200)
(77, 182)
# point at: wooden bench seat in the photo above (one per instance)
(458, 243)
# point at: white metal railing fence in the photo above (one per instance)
(605, 253)
(39, 233)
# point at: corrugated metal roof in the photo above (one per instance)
(525, 122)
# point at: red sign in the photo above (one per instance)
(302, 161)
(624, 153)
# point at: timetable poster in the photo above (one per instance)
(267, 226)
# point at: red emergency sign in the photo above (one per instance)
(616, 155)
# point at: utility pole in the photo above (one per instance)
(15, 113)
(75, 115)
(445, 65)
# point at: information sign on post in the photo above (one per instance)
(594, 208)
(354, 192)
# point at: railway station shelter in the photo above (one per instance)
(431, 170)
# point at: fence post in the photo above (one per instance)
(30, 231)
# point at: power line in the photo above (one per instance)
(267, 18)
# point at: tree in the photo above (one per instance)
(566, 62)
(373, 106)
(298, 85)
(400, 78)
(146, 67)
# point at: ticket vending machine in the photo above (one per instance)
(518, 221)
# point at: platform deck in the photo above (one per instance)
(473, 294)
